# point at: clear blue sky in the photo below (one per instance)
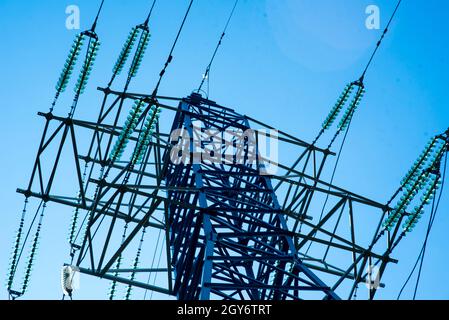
(283, 62)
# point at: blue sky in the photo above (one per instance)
(283, 62)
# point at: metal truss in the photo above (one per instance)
(238, 244)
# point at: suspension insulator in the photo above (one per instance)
(33, 252)
(74, 222)
(429, 194)
(333, 114)
(126, 50)
(70, 63)
(419, 164)
(16, 248)
(409, 194)
(127, 131)
(140, 53)
(440, 149)
(113, 287)
(146, 135)
(73, 225)
(94, 46)
(135, 265)
(349, 113)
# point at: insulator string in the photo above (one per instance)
(113, 287)
(135, 265)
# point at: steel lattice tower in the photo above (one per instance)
(237, 244)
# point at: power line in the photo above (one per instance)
(170, 55)
(149, 14)
(94, 25)
(361, 83)
(380, 40)
(206, 73)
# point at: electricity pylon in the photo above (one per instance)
(180, 199)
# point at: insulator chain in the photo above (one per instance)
(135, 265)
(128, 129)
(126, 50)
(423, 178)
(69, 65)
(341, 103)
(71, 62)
(91, 56)
(75, 217)
(113, 287)
(146, 134)
(16, 248)
(140, 53)
(33, 251)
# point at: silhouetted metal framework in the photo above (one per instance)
(237, 245)
(229, 231)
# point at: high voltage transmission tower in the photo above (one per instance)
(213, 222)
